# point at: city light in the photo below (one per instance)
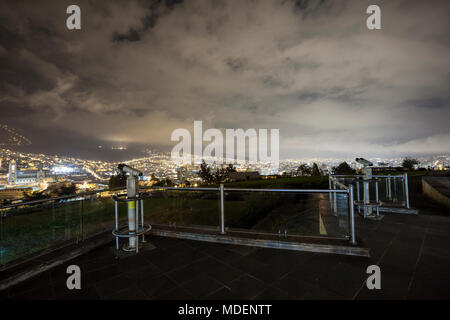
(62, 170)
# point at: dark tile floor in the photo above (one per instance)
(412, 251)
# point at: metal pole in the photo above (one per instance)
(389, 187)
(81, 219)
(395, 188)
(329, 187)
(142, 219)
(352, 215)
(222, 210)
(142, 213)
(405, 181)
(132, 191)
(137, 227)
(53, 221)
(376, 197)
(367, 209)
(334, 199)
(117, 224)
(357, 195)
(1, 237)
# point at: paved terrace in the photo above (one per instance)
(412, 251)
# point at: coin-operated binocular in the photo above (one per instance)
(132, 192)
(132, 179)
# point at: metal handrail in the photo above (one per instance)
(357, 179)
(221, 189)
(14, 205)
(346, 175)
(360, 176)
(340, 184)
(389, 176)
(180, 188)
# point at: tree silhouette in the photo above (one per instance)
(205, 173)
(117, 181)
(315, 170)
(208, 176)
(38, 195)
(343, 168)
(304, 170)
(409, 163)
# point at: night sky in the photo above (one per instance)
(137, 70)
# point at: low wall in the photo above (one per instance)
(435, 191)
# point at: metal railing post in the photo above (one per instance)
(136, 230)
(81, 220)
(330, 194)
(142, 219)
(405, 181)
(389, 187)
(116, 213)
(334, 198)
(395, 188)
(352, 215)
(53, 221)
(222, 209)
(377, 197)
(1, 237)
(357, 195)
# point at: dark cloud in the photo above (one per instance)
(139, 69)
(436, 102)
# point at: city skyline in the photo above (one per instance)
(115, 153)
(161, 165)
(138, 70)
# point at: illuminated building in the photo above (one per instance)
(28, 176)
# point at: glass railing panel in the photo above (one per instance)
(392, 191)
(183, 208)
(30, 229)
(2, 239)
(99, 214)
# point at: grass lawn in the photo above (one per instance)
(320, 182)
